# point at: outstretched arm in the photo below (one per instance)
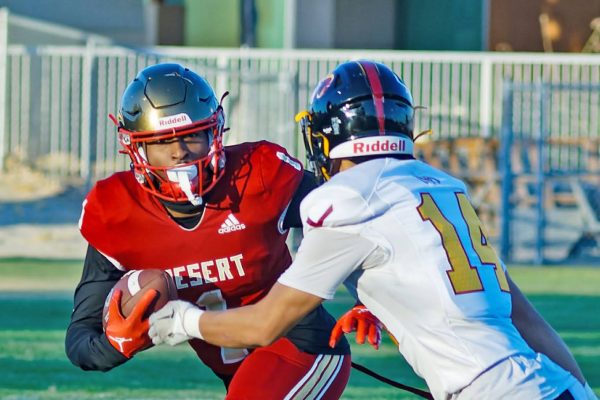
(255, 325)
(539, 334)
(261, 323)
(313, 277)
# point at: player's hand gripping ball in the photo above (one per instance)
(134, 297)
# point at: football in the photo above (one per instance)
(134, 284)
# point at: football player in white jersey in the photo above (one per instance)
(404, 239)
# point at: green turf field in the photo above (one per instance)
(35, 302)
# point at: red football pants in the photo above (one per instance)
(281, 371)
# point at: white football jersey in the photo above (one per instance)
(406, 241)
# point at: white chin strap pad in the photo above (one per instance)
(183, 177)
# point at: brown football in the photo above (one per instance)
(134, 284)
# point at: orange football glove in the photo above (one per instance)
(129, 335)
(361, 320)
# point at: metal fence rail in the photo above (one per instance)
(59, 96)
(54, 100)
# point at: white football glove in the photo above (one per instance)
(177, 322)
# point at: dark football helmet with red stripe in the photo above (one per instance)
(361, 109)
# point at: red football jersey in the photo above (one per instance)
(231, 258)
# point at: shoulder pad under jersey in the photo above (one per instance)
(107, 204)
(279, 172)
(336, 205)
(277, 154)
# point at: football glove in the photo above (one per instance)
(361, 320)
(128, 334)
(177, 322)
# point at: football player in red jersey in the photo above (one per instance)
(216, 219)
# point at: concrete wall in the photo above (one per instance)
(122, 20)
(212, 23)
(217, 23)
(441, 25)
(392, 24)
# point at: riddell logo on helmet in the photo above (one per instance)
(174, 121)
(379, 146)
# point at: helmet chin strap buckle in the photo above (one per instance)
(187, 190)
(182, 177)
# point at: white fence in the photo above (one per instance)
(55, 100)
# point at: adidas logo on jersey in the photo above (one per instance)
(231, 224)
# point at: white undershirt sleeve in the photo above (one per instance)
(326, 257)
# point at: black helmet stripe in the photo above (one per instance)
(377, 90)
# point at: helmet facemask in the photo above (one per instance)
(317, 148)
(186, 182)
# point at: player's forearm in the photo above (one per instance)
(259, 324)
(255, 325)
(242, 327)
(540, 336)
(90, 350)
(85, 344)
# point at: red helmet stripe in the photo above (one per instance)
(377, 90)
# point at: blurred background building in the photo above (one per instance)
(460, 25)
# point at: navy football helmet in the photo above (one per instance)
(361, 109)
